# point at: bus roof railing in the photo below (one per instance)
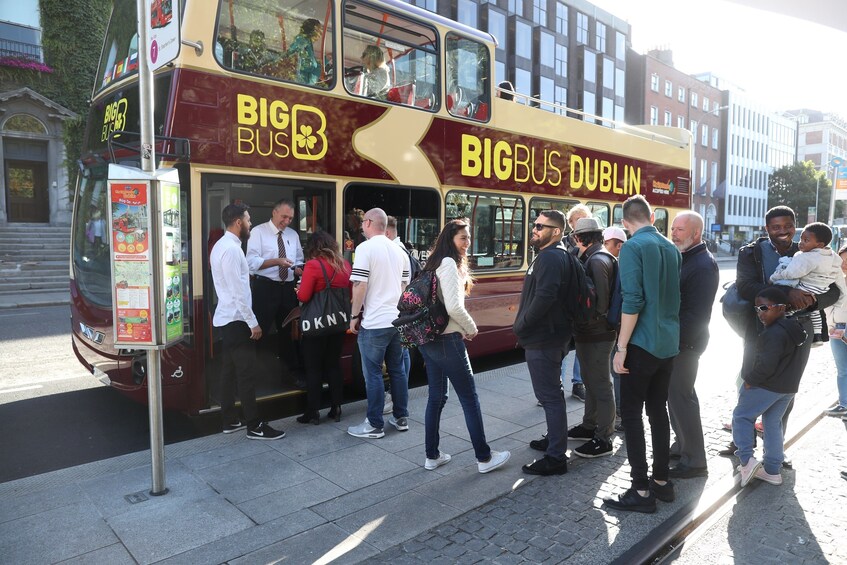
(180, 147)
(533, 102)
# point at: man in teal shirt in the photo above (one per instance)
(647, 343)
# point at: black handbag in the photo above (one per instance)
(737, 311)
(328, 312)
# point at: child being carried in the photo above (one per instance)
(813, 269)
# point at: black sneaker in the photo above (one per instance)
(631, 501)
(594, 448)
(729, 450)
(664, 492)
(578, 391)
(540, 444)
(580, 433)
(265, 432)
(683, 471)
(233, 427)
(546, 466)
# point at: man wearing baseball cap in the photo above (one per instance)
(613, 238)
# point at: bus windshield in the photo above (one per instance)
(120, 50)
(90, 237)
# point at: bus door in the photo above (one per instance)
(312, 210)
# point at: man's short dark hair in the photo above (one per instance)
(589, 238)
(778, 211)
(636, 208)
(283, 202)
(775, 294)
(233, 212)
(821, 232)
(556, 217)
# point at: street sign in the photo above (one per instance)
(162, 32)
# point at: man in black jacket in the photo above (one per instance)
(756, 263)
(698, 284)
(543, 330)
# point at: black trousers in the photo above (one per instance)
(272, 302)
(322, 356)
(646, 387)
(238, 368)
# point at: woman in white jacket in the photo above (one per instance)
(836, 317)
(446, 357)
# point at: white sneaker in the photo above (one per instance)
(388, 407)
(763, 475)
(431, 464)
(366, 430)
(497, 459)
(747, 471)
(402, 424)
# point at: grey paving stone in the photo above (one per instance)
(326, 543)
(54, 535)
(467, 488)
(28, 504)
(359, 466)
(115, 554)
(290, 500)
(225, 454)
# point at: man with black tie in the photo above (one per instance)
(275, 257)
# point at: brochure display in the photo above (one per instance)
(146, 257)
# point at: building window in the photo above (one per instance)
(600, 37)
(548, 92)
(589, 104)
(668, 88)
(523, 40)
(589, 67)
(705, 104)
(620, 46)
(620, 83)
(539, 12)
(431, 5)
(608, 109)
(694, 100)
(561, 60)
(680, 121)
(467, 13)
(547, 50)
(561, 19)
(561, 99)
(497, 28)
(694, 130)
(654, 82)
(608, 74)
(668, 118)
(714, 138)
(680, 95)
(654, 116)
(704, 137)
(516, 7)
(523, 82)
(24, 123)
(581, 28)
(714, 179)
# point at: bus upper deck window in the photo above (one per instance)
(290, 41)
(389, 57)
(468, 89)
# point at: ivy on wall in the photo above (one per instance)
(71, 38)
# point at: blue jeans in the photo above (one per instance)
(376, 346)
(447, 358)
(577, 372)
(839, 353)
(753, 401)
(545, 367)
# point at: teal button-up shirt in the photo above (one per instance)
(650, 266)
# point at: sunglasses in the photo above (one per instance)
(766, 307)
(539, 227)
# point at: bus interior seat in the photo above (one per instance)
(481, 113)
(402, 94)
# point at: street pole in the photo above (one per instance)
(148, 165)
(832, 197)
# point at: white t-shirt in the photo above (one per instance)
(385, 267)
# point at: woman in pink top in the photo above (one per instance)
(322, 355)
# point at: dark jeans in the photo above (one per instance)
(599, 413)
(684, 410)
(272, 302)
(322, 356)
(646, 387)
(447, 358)
(545, 370)
(238, 362)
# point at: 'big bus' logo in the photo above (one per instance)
(268, 127)
(114, 118)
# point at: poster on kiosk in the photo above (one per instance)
(146, 257)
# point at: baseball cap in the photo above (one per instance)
(614, 232)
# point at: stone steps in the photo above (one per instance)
(34, 260)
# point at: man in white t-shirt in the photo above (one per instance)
(380, 273)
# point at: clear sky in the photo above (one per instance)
(783, 62)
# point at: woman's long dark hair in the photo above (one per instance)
(322, 244)
(444, 247)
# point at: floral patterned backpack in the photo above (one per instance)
(423, 316)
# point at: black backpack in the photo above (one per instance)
(580, 297)
(422, 316)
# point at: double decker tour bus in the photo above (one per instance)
(341, 106)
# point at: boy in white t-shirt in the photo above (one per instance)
(380, 273)
(813, 269)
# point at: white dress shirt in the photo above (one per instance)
(263, 246)
(231, 277)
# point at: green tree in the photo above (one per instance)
(799, 186)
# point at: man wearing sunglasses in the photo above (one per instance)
(544, 330)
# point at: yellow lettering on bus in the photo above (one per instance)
(606, 175)
(633, 175)
(245, 141)
(577, 172)
(502, 164)
(521, 163)
(281, 142)
(279, 114)
(471, 162)
(247, 107)
(550, 157)
(307, 138)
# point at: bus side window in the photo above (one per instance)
(468, 88)
(498, 228)
(661, 220)
(600, 211)
(284, 43)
